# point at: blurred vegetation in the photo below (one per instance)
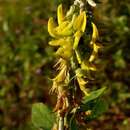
(26, 61)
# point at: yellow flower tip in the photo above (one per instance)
(82, 84)
(96, 47)
(82, 81)
(78, 56)
(77, 24)
(61, 76)
(92, 58)
(77, 35)
(60, 14)
(59, 42)
(54, 88)
(88, 66)
(84, 22)
(95, 34)
(80, 22)
(51, 27)
(60, 7)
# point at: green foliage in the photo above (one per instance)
(94, 104)
(93, 95)
(97, 108)
(42, 116)
(73, 124)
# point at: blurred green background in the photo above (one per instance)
(26, 61)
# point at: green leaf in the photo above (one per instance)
(73, 125)
(93, 95)
(97, 109)
(42, 117)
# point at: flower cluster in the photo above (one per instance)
(67, 33)
(73, 65)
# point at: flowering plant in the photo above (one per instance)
(75, 65)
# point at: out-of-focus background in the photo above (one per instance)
(26, 61)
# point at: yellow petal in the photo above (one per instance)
(82, 85)
(60, 14)
(95, 33)
(96, 47)
(68, 30)
(61, 63)
(65, 51)
(54, 87)
(80, 22)
(62, 26)
(93, 56)
(77, 35)
(88, 66)
(59, 42)
(51, 27)
(61, 76)
(71, 11)
(78, 56)
(82, 81)
(79, 72)
(84, 22)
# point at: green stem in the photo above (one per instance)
(61, 123)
